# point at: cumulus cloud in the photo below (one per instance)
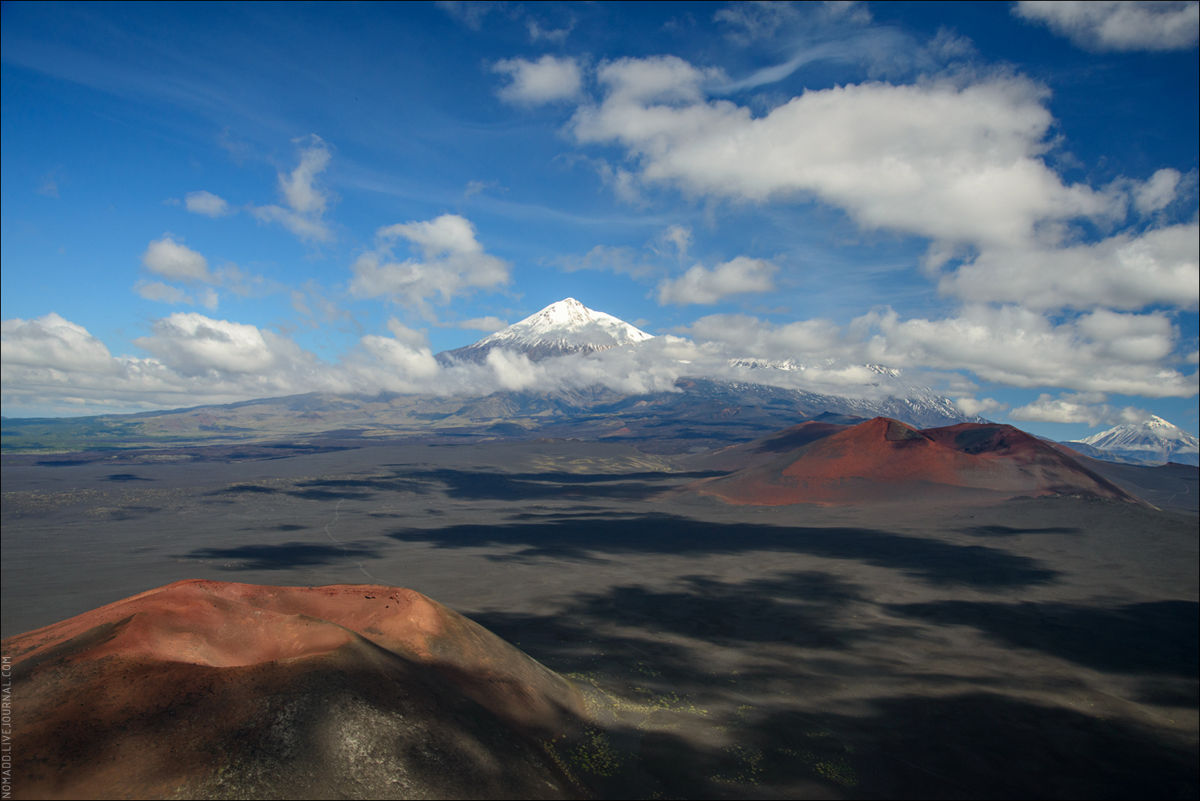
(207, 203)
(1078, 408)
(305, 200)
(1103, 351)
(452, 263)
(51, 362)
(959, 162)
(170, 259)
(981, 406)
(546, 80)
(193, 344)
(52, 343)
(1099, 25)
(1159, 266)
(1157, 193)
(197, 359)
(954, 163)
(704, 286)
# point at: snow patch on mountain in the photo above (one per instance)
(559, 329)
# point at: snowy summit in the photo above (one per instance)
(559, 329)
(1153, 440)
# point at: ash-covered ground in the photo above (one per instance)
(1034, 647)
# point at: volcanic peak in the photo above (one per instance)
(559, 329)
(1153, 440)
(884, 459)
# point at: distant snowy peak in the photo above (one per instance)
(1154, 440)
(896, 395)
(791, 365)
(559, 329)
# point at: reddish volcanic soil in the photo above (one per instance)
(215, 689)
(765, 449)
(884, 459)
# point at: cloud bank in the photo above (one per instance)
(1100, 25)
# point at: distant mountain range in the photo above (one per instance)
(700, 413)
(1153, 441)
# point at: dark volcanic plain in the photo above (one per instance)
(1033, 647)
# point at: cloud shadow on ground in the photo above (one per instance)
(284, 556)
(931, 560)
(922, 744)
(1155, 637)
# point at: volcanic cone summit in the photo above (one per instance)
(559, 329)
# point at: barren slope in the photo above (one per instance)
(209, 689)
(885, 459)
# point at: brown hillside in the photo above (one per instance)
(884, 459)
(205, 688)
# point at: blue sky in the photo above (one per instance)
(205, 203)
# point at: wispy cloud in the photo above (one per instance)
(306, 201)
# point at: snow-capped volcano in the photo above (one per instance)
(1154, 440)
(569, 327)
(561, 328)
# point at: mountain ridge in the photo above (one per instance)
(1153, 441)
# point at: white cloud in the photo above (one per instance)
(200, 360)
(411, 337)
(407, 362)
(749, 22)
(1022, 348)
(959, 163)
(453, 263)
(556, 35)
(206, 203)
(52, 343)
(1125, 271)
(306, 201)
(701, 285)
(1085, 408)
(680, 236)
(488, 324)
(168, 258)
(746, 336)
(1099, 25)
(163, 293)
(546, 80)
(1099, 352)
(954, 163)
(1157, 193)
(193, 345)
(982, 406)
